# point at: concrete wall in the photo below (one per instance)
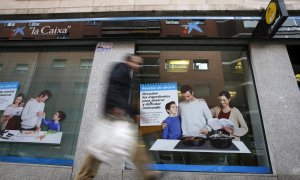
(9, 7)
(279, 100)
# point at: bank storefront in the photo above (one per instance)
(71, 58)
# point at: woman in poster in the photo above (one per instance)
(12, 111)
(226, 111)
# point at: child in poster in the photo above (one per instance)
(173, 128)
(54, 124)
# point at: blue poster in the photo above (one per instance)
(153, 98)
(7, 93)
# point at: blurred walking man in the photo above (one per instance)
(117, 108)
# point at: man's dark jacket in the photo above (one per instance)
(119, 86)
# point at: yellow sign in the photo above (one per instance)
(271, 13)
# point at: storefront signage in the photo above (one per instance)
(18, 30)
(48, 30)
(7, 93)
(192, 26)
(272, 19)
(44, 30)
(271, 13)
(153, 98)
(172, 21)
(206, 27)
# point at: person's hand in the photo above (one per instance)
(137, 118)
(5, 118)
(118, 112)
(163, 125)
(40, 114)
(37, 128)
(228, 129)
(204, 131)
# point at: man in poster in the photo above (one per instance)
(194, 113)
(34, 112)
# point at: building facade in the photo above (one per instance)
(69, 46)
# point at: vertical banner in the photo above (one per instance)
(153, 98)
(7, 93)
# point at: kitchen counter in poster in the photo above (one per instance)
(41, 137)
(169, 145)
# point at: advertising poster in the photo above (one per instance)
(104, 47)
(7, 93)
(30, 116)
(153, 98)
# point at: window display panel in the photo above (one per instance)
(53, 81)
(215, 104)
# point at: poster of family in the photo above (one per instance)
(11, 118)
(153, 98)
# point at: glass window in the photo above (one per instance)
(177, 65)
(86, 63)
(59, 63)
(79, 88)
(202, 90)
(22, 68)
(250, 24)
(61, 83)
(201, 64)
(225, 68)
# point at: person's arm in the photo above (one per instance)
(207, 115)
(58, 126)
(9, 111)
(243, 129)
(46, 121)
(40, 117)
(165, 133)
(213, 112)
(163, 124)
(5, 118)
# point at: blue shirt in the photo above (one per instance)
(173, 129)
(52, 125)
